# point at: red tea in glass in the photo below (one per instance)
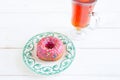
(81, 12)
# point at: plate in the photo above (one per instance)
(48, 67)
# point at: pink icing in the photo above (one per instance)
(49, 48)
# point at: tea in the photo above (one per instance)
(86, 1)
(81, 10)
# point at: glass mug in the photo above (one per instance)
(82, 13)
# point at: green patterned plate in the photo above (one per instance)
(48, 67)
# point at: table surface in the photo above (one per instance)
(97, 53)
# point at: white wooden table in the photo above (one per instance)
(97, 54)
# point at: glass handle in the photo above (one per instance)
(94, 22)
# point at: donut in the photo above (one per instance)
(50, 49)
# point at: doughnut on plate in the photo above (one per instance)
(48, 67)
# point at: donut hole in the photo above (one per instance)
(49, 45)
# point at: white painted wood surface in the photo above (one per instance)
(98, 52)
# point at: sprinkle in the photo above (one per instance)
(54, 56)
(48, 54)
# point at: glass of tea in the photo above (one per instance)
(82, 11)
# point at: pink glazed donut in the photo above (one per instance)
(50, 49)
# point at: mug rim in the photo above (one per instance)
(84, 3)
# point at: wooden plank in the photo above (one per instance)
(33, 6)
(99, 38)
(88, 62)
(54, 5)
(27, 20)
(50, 19)
(107, 6)
(58, 78)
(108, 19)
